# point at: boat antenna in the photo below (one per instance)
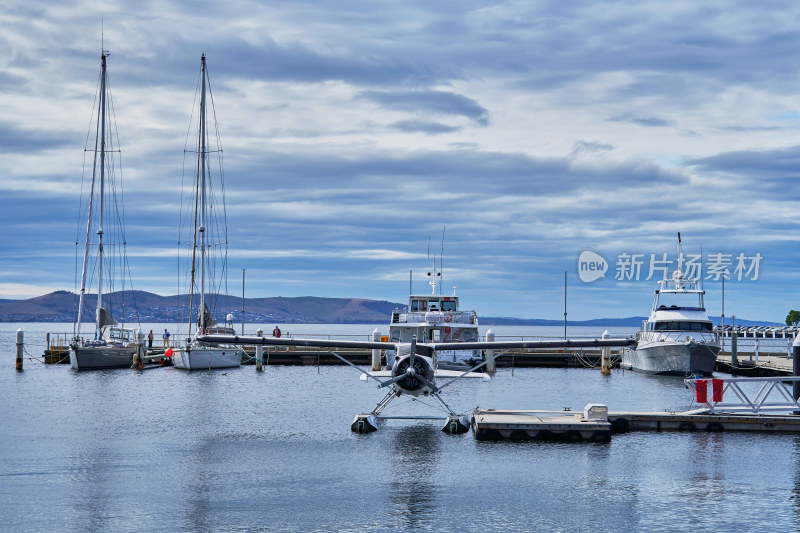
(701, 260)
(565, 304)
(434, 274)
(678, 275)
(441, 260)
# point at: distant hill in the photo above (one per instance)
(60, 306)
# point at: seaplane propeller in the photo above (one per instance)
(414, 370)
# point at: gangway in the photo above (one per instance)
(773, 394)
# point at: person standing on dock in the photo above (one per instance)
(150, 340)
(276, 332)
(166, 338)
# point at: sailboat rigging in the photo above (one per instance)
(112, 346)
(193, 354)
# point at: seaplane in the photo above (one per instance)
(414, 370)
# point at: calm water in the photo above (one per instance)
(168, 450)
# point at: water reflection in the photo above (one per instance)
(414, 459)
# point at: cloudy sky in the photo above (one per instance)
(354, 132)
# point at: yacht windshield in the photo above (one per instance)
(679, 300)
(681, 325)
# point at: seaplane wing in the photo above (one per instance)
(278, 341)
(425, 348)
(555, 343)
(438, 373)
(422, 347)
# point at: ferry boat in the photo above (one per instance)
(436, 318)
(678, 338)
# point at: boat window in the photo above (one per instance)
(448, 306)
(680, 300)
(414, 305)
(122, 334)
(683, 325)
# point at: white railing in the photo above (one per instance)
(676, 336)
(761, 332)
(436, 317)
(772, 394)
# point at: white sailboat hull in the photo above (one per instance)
(206, 358)
(100, 357)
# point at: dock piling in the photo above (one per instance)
(796, 365)
(260, 353)
(376, 354)
(605, 358)
(138, 355)
(20, 348)
(490, 363)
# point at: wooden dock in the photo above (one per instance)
(763, 365)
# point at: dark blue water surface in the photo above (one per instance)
(237, 450)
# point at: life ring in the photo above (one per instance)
(448, 318)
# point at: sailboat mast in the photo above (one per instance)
(202, 176)
(99, 139)
(103, 105)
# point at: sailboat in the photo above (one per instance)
(194, 355)
(112, 345)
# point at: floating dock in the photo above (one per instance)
(592, 425)
(761, 365)
(493, 425)
(702, 420)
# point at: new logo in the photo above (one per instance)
(591, 266)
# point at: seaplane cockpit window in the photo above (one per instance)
(448, 307)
